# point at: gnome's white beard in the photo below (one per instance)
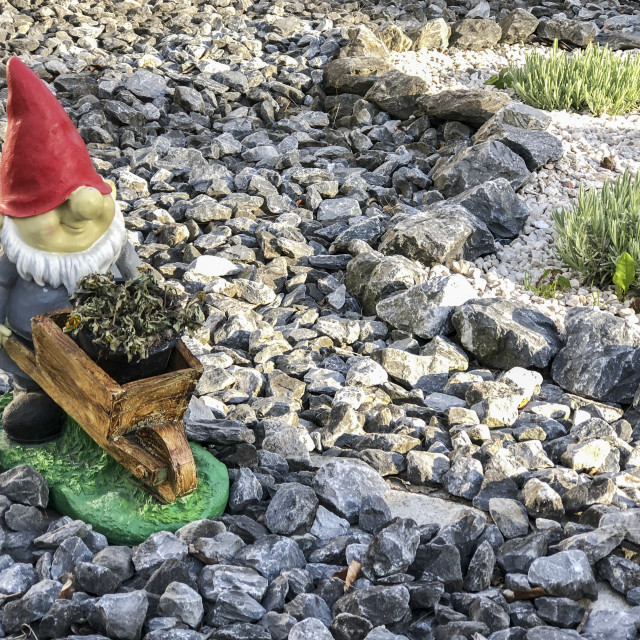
(56, 269)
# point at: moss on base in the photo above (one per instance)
(87, 484)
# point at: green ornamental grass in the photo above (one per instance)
(593, 79)
(593, 236)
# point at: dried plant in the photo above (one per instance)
(132, 317)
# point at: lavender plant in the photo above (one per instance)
(599, 237)
(595, 79)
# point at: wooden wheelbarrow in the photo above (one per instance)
(139, 423)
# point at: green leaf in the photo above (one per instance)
(563, 282)
(501, 80)
(624, 275)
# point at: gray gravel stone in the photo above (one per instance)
(117, 559)
(182, 602)
(567, 574)
(517, 554)
(244, 492)
(71, 552)
(505, 334)
(471, 106)
(439, 235)
(510, 516)
(562, 612)
(571, 31)
(600, 357)
(396, 93)
(518, 25)
(310, 629)
(381, 605)
(611, 624)
(309, 605)
(157, 548)
(621, 573)
(271, 555)
(145, 84)
(216, 579)
(497, 205)
(392, 549)
(23, 484)
(354, 74)
(291, 510)
(475, 34)
(342, 484)
(426, 309)
(95, 579)
(596, 544)
(536, 148)
(480, 569)
(474, 165)
(122, 615)
(31, 606)
(464, 478)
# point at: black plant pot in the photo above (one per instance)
(117, 366)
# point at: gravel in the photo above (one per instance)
(364, 336)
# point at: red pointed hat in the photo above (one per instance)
(44, 158)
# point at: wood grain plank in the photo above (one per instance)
(163, 398)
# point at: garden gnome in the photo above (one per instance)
(60, 222)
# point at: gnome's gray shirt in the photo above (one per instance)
(21, 300)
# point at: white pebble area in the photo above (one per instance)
(586, 140)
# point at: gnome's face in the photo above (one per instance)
(73, 226)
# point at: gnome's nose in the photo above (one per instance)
(85, 203)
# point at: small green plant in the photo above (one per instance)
(624, 274)
(548, 285)
(131, 317)
(593, 235)
(594, 79)
(501, 80)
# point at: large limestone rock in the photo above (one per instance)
(505, 334)
(536, 148)
(342, 484)
(619, 40)
(396, 93)
(574, 32)
(419, 371)
(516, 114)
(471, 106)
(432, 35)
(394, 39)
(371, 277)
(363, 42)
(601, 357)
(497, 205)
(518, 25)
(441, 234)
(475, 34)
(425, 309)
(474, 165)
(353, 75)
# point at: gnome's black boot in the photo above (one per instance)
(32, 417)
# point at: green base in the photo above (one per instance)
(85, 483)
